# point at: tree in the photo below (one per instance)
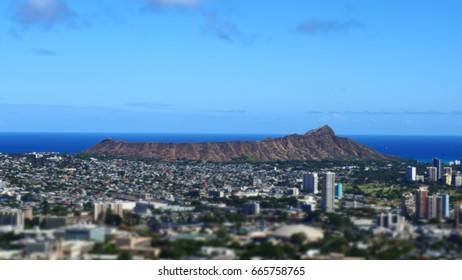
(125, 256)
(221, 233)
(298, 238)
(108, 215)
(88, 206)
(199, 207)
(194, 194)
(45, 207)
(132, 219)
(111, 218)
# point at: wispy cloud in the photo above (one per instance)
(42, 13)
(225, 111)
(44, 52)
(214, 24)
(394, 112)
(217, 27)
(150, 106)
(387, 112)
(315, 26)
(314, 112)
(173, 3)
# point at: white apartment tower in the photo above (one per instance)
(310, 183)
(328, 192)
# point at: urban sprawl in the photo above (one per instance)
(56, 206)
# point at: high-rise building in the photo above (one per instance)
(310, 183)
(339, 191)
(457, 179)
(434, 204)
(411, 173)
(328, 192)
(447, 170)
(432, 174)
(421, 202)
(438, 164)
(445, 205)
(408, 204)
(447, 179)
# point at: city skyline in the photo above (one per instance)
(230, 66)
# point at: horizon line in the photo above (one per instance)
(220, 133)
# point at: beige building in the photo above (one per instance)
(100, 208)
(138, 246)
(28, 212)
(132, 242)
(447, 179)
(408, 204)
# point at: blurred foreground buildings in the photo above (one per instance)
(65, 207)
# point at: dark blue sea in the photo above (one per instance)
(421, 148)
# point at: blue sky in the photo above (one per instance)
(231, 66)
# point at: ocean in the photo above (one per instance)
(421, 148)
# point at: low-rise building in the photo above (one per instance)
(132, 242)
(218, 253)
(251, 208)
(100, 208)
(11, 217)
(85, 232)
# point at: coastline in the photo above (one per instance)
(420, 148)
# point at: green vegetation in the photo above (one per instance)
(270, 251)
(112, 219)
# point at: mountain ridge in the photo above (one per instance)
(316, 144)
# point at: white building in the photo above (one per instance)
(292, 192)
(411, 173)
(457, 179)
(310, 183)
